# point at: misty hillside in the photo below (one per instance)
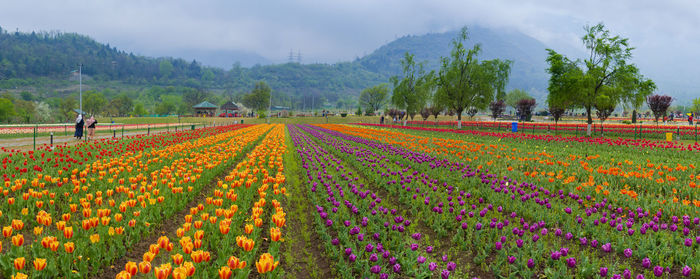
(528, 55)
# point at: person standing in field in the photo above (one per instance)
(690, 119)
(91, 127)
(79, 124)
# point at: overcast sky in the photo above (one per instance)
(665, 33)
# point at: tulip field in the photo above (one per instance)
(351, 201)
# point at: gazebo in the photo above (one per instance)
(229, 106)
(205, 109)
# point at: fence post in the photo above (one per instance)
(696, 132)
(65, 130)
(35, 137)
(114, 133)
(51, 138)
(577, 130)
(122, 131)
(533, 129)
(149, 129)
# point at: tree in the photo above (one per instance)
(659, 104)
(139, 110)
(556, 113)
(7, 110)
(425, 113)
(94, 102)
(696, 106)
(604, 106)
(497, 108)
(259, 98)
(606, 71)
(514, 96)
(411, 91)
(66, 108)
(123, 104)
(193, 96)
(165, 68)
(525, 107)
(373, 98)
(466, 83)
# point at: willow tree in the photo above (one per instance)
(602, 79)
(467, 83)
(412, 90)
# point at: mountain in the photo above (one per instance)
(528, 55)
(222, 58)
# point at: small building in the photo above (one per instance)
(230, 109)
(205, 109)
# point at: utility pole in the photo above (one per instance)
(80, 78)
(269, 109)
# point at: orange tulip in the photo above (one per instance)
(224, 272)
(19, 275)
(197, 256)
(224, 228)
(39, 264)
(163, 242)
(7, 231)
(131, 267)
(19, 263)
(163, 271)
(68, 232)
(18, 240)
(199, 234)
(190, 268)
(258, 222)
(94, 238)
(266, 263)
(17, 224)
(69, 247)
(248, 244)
(145, 267)
(123, 275)
(197, 244)
(248, 229)
(154, 248)
(54, 245)
(187, 248)
(275, 234)
(148, 256)
(235, 263)
(180, 273)
(177, 259)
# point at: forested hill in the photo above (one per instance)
(25, 57)
(54, 55)
(528, 54)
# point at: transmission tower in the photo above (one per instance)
(291, 56)
(299, 56)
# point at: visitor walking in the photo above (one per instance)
(91, 127)
(79, 124)
(690, 119)
(381, 120)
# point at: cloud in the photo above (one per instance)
(664, 32)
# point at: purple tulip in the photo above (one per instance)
(445, 274)
(451, 266)
(658, 271)
(444, 257)
(397, 268)
(511, 259)
(627, 274)
(369, 247)
(607, 247)
(429, 249)
(432, 266)
(688, 242)
(519, 242)
(603, 271)
(499, 245)
(352, 258)
(335, 241)
(686, 271)
(535, 238)
(478, 226)
(639, 276)
(646, 263)
(375, 269)
(414, 246)
(571, 262)
(555, 255)
(348, 251)
(373, 257)
(383, 276)
(628, 252)
(421, 259)
(567, 210)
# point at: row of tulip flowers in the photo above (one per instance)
(233, 225)
(78, 224)
(651, 181)
(685, 130)
(535, 234)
